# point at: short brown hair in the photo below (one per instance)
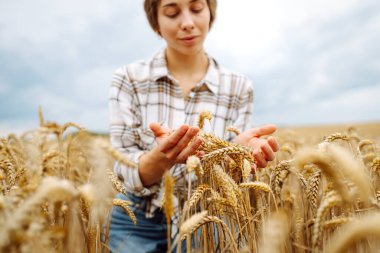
(151, 8)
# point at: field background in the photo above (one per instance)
(314, 133)
(58, 188)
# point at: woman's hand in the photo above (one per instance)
(172, 147)
(176, 145)
(263, 149)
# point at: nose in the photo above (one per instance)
(187, 22)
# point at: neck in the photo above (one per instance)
(181, 65)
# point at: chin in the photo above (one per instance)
(187, 51)
(192, 51)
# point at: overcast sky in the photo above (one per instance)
(311, 62)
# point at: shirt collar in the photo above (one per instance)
(159, 69)
(211, 78)
(158, 66)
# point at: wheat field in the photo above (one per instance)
(320, 194)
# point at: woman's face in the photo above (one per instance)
(184, 24)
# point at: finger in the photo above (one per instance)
(200, 154)
(183, 142)
(190, 134)
(263, 130)
(189, 150)
(259, 158)
(254, 168)
(158, 130)
(174, 138)
(267, 152)
(273, 143)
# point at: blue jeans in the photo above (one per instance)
(148, 235)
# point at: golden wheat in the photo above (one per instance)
(58, 189)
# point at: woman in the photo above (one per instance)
(154, 106)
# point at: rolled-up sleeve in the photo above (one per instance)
(125, 131)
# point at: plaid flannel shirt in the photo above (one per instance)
(145, 92)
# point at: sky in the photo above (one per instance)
(310, 62)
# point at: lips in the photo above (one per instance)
(189, 40)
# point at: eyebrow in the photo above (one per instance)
(169, 5)
(174, 4)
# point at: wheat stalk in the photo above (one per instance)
(274, 234)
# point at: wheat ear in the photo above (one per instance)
(261, 186)
(366, 226)
(197, 195)
(312, 192)
(125, 205)
(168, 202)
(233, 129)
(329, 201)
(336, 136)
(336, 222)
(116, 154)
(202, 116)
(335, 162)
(116, 182)
(199, 219)
(51, 189)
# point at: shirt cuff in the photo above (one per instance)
(132, 180)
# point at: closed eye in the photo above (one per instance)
(172, 15)
(197, 10)
(197, 7)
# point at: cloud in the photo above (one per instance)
(63, 59)
(54, 32)
(44, 21)
(4, 88)
(350, 106)
(302, 56)
(331, 50)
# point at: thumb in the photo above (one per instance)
(158, 130)
(263, 130)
